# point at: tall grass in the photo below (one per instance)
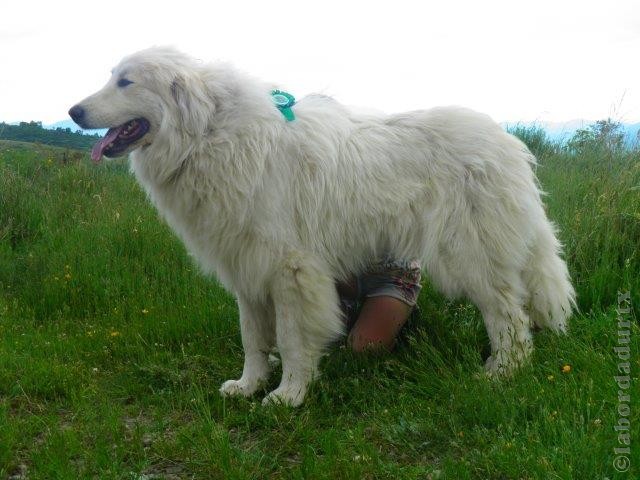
(595, 201)
(112, 347)
(535, 137)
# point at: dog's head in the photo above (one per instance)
(146, 91)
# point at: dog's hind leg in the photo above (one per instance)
(510, 335)
(485, 265)
(307, 319)
(499, 294)
(507, 323)
(257, 329)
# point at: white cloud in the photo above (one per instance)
(515, 61)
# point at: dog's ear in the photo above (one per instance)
(193, 107)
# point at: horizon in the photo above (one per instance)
(557, 126)
(559, 132)
(554, 63)
(547, 123)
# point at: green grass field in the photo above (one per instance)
(113, 346)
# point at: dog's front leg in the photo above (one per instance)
(298, 365)
(307, 318)
(257, 329)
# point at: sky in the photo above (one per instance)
(548, 60)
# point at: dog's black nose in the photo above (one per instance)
(77, 114)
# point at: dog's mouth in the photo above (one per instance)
(119, 139)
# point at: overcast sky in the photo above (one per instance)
(540, 60)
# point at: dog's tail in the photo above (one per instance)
(552, 297)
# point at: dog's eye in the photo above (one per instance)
(123, 82)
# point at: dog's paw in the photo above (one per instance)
(234, 388)
(495, 369)
(504, 363)
(501, 365)
(291, 395)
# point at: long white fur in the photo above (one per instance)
(279, 211)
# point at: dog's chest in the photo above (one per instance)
(218, 241)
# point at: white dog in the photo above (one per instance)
(280, 210)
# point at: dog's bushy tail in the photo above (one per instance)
(552, 296)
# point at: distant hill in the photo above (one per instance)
(563, 131)
(71, 125)
(632, 134)
(34, 132)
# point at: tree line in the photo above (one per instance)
(34, 132)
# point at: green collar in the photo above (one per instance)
(284, 101)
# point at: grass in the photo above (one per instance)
(113, 346)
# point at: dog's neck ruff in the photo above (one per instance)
(284, 101)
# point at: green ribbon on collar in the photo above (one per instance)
(284, 101)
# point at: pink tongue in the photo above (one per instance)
(103, 143)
